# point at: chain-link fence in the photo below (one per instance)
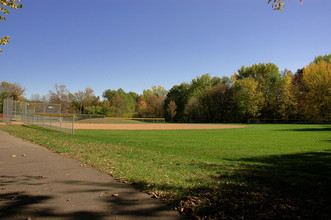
(43, 114)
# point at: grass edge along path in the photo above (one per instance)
(263, 171)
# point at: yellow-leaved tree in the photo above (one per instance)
(248, 97)
(5, 5)
(317, 81)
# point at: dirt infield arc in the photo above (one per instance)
(154, 126)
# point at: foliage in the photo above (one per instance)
(10, 90)
(248, 98)
(81, 99)
(216, 104)
(269, 80)
(278, 4)
(122, 104)
(171, 109)
(180, 95)
(4, 9)
(60, 95)
(325, 58)
(317, 81)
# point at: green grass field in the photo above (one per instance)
(262, 171)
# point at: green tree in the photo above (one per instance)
(192, 110)
(4, 8)
(122, 104)
(159, 91)
(180, 95)
(216, 104)
(269, 84)
(325, 58)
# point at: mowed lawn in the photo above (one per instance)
(262, 171)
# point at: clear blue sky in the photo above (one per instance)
(134, 44)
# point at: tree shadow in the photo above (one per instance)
(294, 186)
(130, 203)
(16, 204)
(307, 129)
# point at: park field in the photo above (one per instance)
(256, 172)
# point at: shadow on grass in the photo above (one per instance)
(295, 186)
(308, 129)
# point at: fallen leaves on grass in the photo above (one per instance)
(13, 155)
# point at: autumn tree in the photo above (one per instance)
(152, 101)
(4, 8)
(60, 95)
(82, 99)
(288, 102)
(141, 106)
(171, 109)
(317, 81)
(10, 90)
(249, 99)
(269, 81)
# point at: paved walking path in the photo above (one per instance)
(38, 184)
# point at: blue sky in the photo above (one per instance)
(134, 44)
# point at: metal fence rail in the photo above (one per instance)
(43, 114)
(64, 123)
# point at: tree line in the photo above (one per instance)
(260, 91)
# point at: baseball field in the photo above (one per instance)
(256, 171)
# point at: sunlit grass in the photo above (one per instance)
(259, 171)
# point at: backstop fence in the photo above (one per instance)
(42, 114)
(48, 115)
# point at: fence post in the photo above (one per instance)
(73, 124)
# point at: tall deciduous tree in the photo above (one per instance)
(269, 81)
(248, 98)
(10, 90)
(60, 95)
(171, 109)
(122, 104)
(288, 104)
(317, 81)
(83, 99)
(180, 95)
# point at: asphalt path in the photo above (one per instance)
(36, 183)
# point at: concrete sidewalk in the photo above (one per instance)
(38, 184)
